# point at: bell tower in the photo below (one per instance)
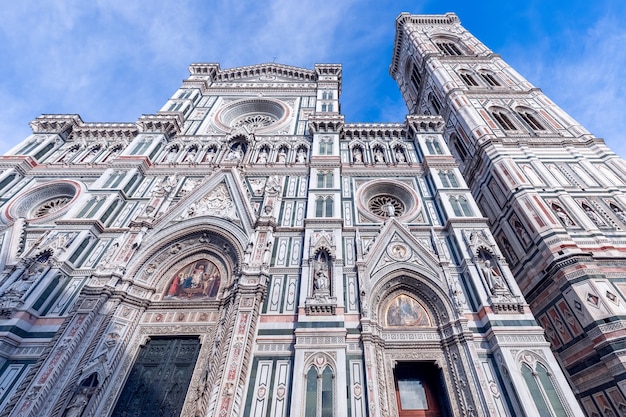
(553, 193)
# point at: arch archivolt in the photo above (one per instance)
(427, 334)
(423, 289)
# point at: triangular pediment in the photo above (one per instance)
(395, 247)
(220, 195)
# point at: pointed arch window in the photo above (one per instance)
(324, 206)
(459, 146)
(543, 390)
(433, 146)
(448, 179)
(434, 103)
(416, 79)
(448, 48)
(319, 401)
(326, 146)
(490, 79)
(460, 206)
(325, 179)
(468, 79)
(531, 119)
(503, 120)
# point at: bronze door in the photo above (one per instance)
(158, 382)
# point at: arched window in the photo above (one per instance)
(460, 206)
(326, 146)
(543, 390)
(44, 150)
(319, 401)
(140, 148)
(448, 48)
(433, 146)
(6, 180)
(459, 146)
(434, 103)
(416, 79)
(324, 206)
(323, 107)
(490, 79)
(448, 179)
(530, 118)
(325, 179)
(468, 79)
(503, 120)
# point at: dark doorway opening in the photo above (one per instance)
(158, 382)
(419, 390)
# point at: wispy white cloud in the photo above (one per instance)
(116, 59)
(583, 72)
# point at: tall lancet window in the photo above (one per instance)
(319, 401)
(542, 390)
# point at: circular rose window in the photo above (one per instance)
(254, 113)
(50, 206)
(44, 201)
(379, 199)
(386, 206)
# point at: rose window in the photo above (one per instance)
(255, 121)
(50, 206)
(385, 206)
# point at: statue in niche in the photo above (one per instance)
(195, 280)
(405, 311)
(522, 234)
(379, 157)
(282, 156)
(491, 272)
(171, 156)
(321, 274)
(81, 397)
(191, 154)
(357, 155)
(235, 154)
(208, 157)
(262, 159)
(562, 215)
(400, 158)
(16, 290)
(301, 156)
(321, 281)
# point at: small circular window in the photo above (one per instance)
(386, 206)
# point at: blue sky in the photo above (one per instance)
(116, 60)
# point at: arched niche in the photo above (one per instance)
(195, 277)
(183, 248)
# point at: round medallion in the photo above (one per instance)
(398, 251)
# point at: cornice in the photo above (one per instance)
(169, 124)
(267, 69)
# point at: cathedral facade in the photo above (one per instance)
(245, 251)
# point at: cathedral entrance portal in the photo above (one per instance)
(158, 382)
(418, 389)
